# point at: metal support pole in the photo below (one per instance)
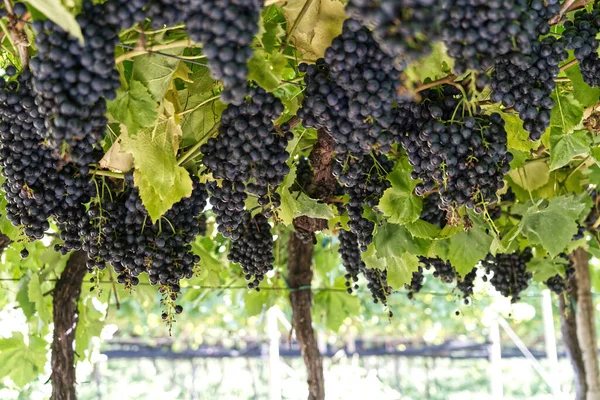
(550, 341)
(274, 367)
(496, 361)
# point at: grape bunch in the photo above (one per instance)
(464, 157)
(226, 29)
(525, 83)
(558, 283)
(72, 81)
(466, 285)
(350, 93)
(37, 186)
(304, 175)
(416, 283)
(510, 275)
(442, 270)
(404, 28)
(351, 258)
(477, 32)
(126, 13)
(364, 182)
(249, 155)
(254, 248)
(120, 231)
(581, 36)
(432, 211)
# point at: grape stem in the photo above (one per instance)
(18, 37)
(446, 80)
(185, 156)
(152, 49)
(111, 174)
(568, 5)
(295, 25)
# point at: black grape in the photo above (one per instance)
(510, 275)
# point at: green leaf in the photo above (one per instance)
(563, 147)
(400, 271)
(134, 107)
(518, 137)
(393, 240)
(161, 182)
(266, 69)
(333, 307)
(465, 249)
(543, 268)
(36, 295)
(431, 66)
(583, 93)
(90, 325)
(398, 202)
(22, 363)
(567, 112)
(26, 305)
(594, 175)
(292, 207)
(156, 71)
(270, 34)
(55, 11)
(533, 175)
(553, 225)
(195, 125)
(422, 229)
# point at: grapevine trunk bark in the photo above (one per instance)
(586, 331)
(66, 297)
(568, 328)
(299, 278)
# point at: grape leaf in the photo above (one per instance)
(430, 66)
(563, 147)
(393, 240)
(266, 69)
(22, 363)
(270, 30)
(518, 137)
(292, 207)
(320, 23)
(464, 249)
(531, 175)
(422, 229)
(552, 225)
(206, 112)
(89, 325)
(543, 268)
(161, 181)
(331, 308)
(400, 271)
(55, 11)
(134, 107)
(156, 71)
(583, 93)
(567, 112)
(36, 295)
(398, 202)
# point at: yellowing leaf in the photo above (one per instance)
(161, 182)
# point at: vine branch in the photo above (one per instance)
(18, 37)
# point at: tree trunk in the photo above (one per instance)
(586, 331)
(64, 311)
(568, 328)
(299, 278)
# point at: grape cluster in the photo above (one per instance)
(304, 175)
(442, 270)
(364, 182)
(558, 283)
(477, 32)
(466, 285)
(432, 211)
(465, 157)
(254, 248)
(510, 275)
(525, 83)
(377, 284)
(350, 93)
(166, 12)
(37, 186)
(403, 27)
(351, 259)
(416, 283)
(120, 231)
(126, 13)
(581, 36)
(249, 155)
(226, 29)
(72, 81)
